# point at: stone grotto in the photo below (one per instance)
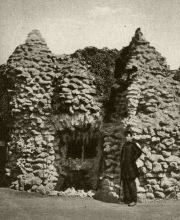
(62, 119)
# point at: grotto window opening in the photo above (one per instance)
(81, 144)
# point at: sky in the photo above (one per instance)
(69, 25)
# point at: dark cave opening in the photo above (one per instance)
(82, 159)
(82, 144)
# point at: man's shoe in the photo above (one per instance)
(132, 204)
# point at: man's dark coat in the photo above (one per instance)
(129, 154)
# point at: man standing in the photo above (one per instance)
(129, 171)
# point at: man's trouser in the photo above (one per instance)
(130, 190)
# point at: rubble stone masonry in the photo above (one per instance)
(68, 117)
(146, 102)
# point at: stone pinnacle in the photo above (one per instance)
(34, 35)
(138, 36)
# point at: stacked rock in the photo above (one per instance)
(50, 96)
(113, 141)
(148, 103)
(77, 116)
(58, 101)
(75, 99)
(158, 111)
(30, 72)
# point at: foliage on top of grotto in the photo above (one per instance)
(101, 62)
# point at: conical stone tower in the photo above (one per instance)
(30, 73)
(142, 56)
(146, 101)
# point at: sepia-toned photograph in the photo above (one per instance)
(89, 109)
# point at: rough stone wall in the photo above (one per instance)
(30, 73)
(56, 115)
(147, 102)
(77, 117)
(62, 119)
